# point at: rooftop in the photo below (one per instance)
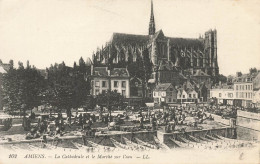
(162, 86)
(116, 72)
(137, 40)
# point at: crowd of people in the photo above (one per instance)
(172, 116)
(6, 123)
(50, 125)
(168, 118)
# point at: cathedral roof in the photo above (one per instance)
(158, 34)
(139, 40)
(129, 39)
(186, 42)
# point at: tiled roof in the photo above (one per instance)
(119, 72)
(135, 79)
(116, 72)
(180, 90)
(162, 86)
(223, 86)
(100, 71)
(189, 90)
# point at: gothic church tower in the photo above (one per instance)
(151, 23)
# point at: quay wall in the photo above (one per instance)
(219, 119)
(228, 132)
(248, 125)
(101, 139)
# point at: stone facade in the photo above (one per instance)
(223, 96)
(238, 94)
(165, 93)
(186, 54)
(187, 96)
(103, 79)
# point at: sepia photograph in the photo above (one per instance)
(130, 81)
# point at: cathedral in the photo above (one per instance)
(185, 55)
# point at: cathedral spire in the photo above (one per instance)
(152, 23)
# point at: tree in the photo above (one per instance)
(66, 87)
(58, 91)
(142, 68)
(219, 78)
(21, 88)
(252, 70)
(239, 74)
(222, 78)
(109, 99)
(11, 62)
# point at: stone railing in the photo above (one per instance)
(219, 119)
(250, 115)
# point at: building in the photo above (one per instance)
(201, 77)
(167, 72)
(256, 81)
(240, 90)
(256, 98)
(223, 96)
(187, 95)
(136, 89)
(244, 93)
(103, 79)
(203, 93)
(170, 56)
(256, 90)
(165, 93)
(238, 94)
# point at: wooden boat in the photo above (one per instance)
(160, 144)
(134, 145)
(84, 147)
(100, 147)
(146, 144)
(182, 144)
(120, 145)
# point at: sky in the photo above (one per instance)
(49, 31)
